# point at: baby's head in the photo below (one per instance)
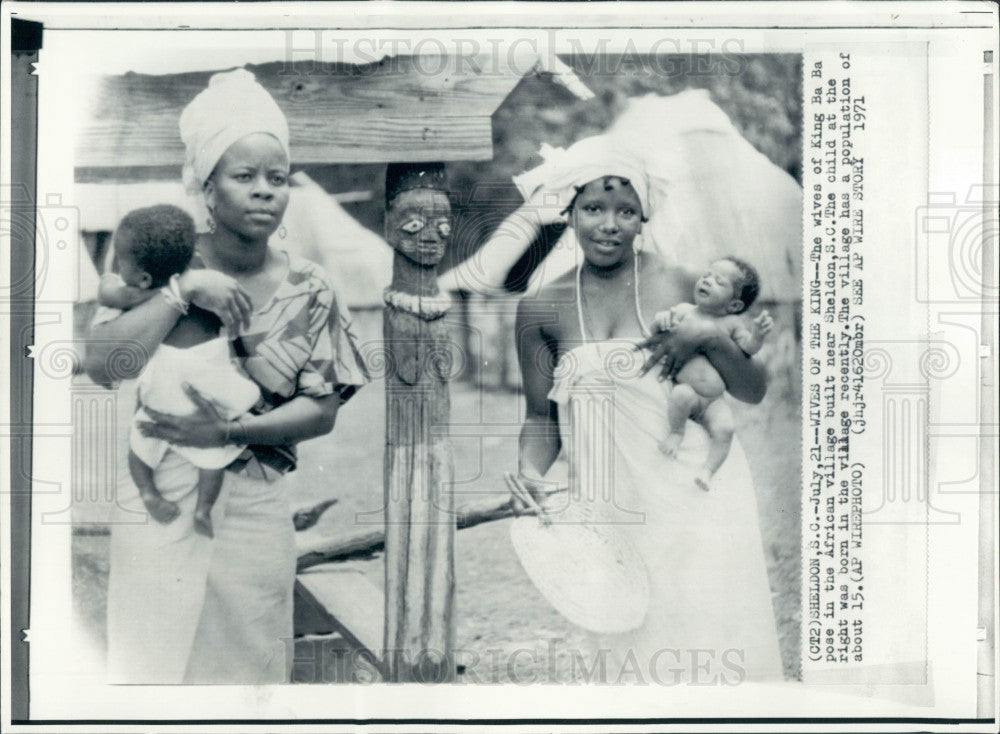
(152, 244)
(729, 286)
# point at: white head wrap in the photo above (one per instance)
(555, 182)
(232, 106)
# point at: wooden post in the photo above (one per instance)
(419, 506)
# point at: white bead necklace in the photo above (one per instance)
(635, 293)
(427, 308)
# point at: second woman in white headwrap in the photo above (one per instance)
(588, 397)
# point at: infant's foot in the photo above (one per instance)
(703, 479)
(203, 522)
(162, 510)
(670, 445)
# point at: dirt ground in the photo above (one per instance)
(499, 610)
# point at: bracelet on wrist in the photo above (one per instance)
(172, 293)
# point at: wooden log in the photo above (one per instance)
(353, 544)
(308, 516)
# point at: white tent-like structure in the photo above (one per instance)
(725, 198)
(358, 261)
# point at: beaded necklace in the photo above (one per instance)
(581, 314)
(427, 308)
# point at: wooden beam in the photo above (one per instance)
(111, 151)
(398, 86)
(401, 109)
(337, 599)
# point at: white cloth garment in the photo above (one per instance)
(207, 367)
(186, 609)
(707, 574)
(554, 183)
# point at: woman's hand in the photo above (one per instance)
(528, 494)
(206, 427)
(673, 348)
(220, 294)
(667, 320)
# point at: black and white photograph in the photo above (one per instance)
(678, 525)
(552, 355)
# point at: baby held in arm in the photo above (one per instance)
(722, 296)
(152, 247)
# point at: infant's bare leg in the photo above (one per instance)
(209, 485)
(160, 508)
(681, 401)
(717, 418)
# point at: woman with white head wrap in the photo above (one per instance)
(181, 607)
(672, 562)
(233, 106)
(564, 171)
(548, 192)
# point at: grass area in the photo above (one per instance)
(499, 610)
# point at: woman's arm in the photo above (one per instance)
(539, 442)
(138, 331)
(301, 418)
(142, 329)
(745, 377)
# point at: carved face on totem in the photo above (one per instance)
(418, 225)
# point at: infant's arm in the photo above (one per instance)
(749, 338)
(749, 341)
(115, 293)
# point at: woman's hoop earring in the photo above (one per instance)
(211, 224)
(282, 231)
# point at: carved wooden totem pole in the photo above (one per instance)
(419, 507)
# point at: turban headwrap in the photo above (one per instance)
(232, 106)
(555, 182)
